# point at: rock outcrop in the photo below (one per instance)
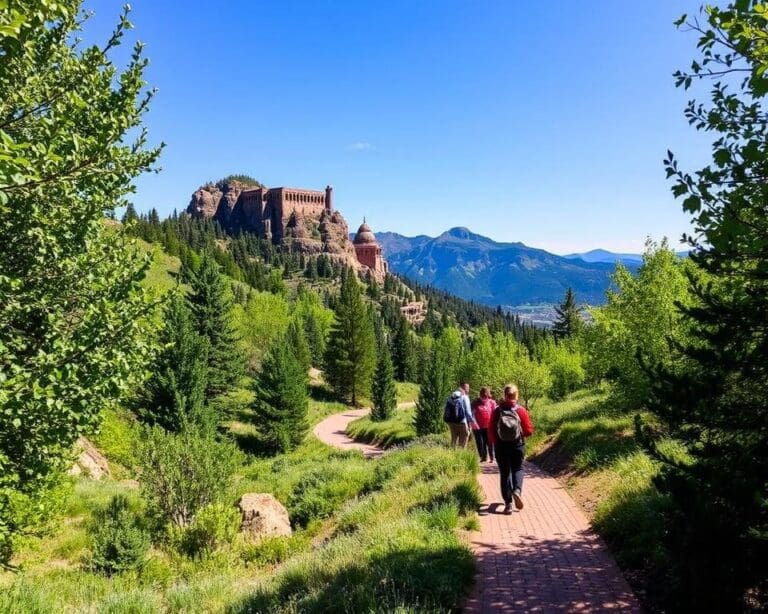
(90, 461)
(300, 220)
(263, 516)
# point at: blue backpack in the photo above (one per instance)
(454, 410)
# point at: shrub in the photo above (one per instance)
(119, 541)
(181, 473)
(215, 525)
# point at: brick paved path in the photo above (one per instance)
(544, 558)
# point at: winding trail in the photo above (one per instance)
(545, 558)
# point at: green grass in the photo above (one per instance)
(407, 392)
(595, 446)
(395, 431)
(369, 536)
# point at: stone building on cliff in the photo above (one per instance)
(300, 220)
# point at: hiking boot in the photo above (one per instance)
(508, 508)
(518, 499)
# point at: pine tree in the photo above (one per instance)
(282, 402)
(298, 343)
(130, 215)
(211, 304)
(435, 387)
(174, 395)
(384, 393)
(351, 352)
(717, 408)
(568, 321)
(314, 337)
(403, 353)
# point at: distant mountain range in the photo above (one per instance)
(602, 255)
(509, 274)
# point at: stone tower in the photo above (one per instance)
(369, 252)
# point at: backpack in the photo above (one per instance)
(454, 410)
(509, 428)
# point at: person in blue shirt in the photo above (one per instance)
(460, 430)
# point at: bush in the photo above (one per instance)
(182, 473)
(119, 541)
(215, 525)
(566, 366)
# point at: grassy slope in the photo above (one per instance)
(368, 535)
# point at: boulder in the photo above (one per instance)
(89, 461)
(263, 516)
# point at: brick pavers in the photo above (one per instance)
(545, 558)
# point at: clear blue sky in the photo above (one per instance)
(538, 122)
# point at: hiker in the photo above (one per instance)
(458, 415)
(510, 425)
(483, 409)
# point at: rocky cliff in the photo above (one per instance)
(307, 228)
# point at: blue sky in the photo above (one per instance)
(544, 123)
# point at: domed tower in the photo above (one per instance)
(368, 250)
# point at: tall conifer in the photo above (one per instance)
(174, 395)
(384, 393)
(403, 352)
(281, 403)
(351, 352)
(211, 305)
(568, 321)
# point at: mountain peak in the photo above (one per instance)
(461, 232)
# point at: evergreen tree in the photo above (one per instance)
(174, 395)
(282, 402)
(403, 353)
(211, 304)
(383, 392)
(314, 337)
(130, 215)
(717, 408)
(568, 321)
(298, 342)
(351, 352)
(436, 384)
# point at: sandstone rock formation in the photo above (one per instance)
(90, 461)
(300, 220)
(263, 516)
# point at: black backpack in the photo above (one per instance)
(454, 410)
(509, 428)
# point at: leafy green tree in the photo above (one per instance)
(72, 315)
(282, 400)
(717, 406)
(403, 352)
(174, 394)
(350, 357)
(384, 393)
(183, 472)
(211, 303)
(263, 318)
(639, 318)
(566, 365)
(568, 321)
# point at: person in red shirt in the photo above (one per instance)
(510, 425)
(483, 406)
